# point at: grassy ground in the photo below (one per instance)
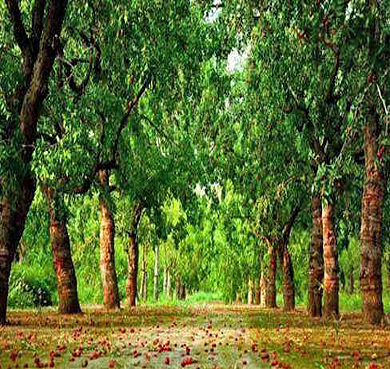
(216, 336)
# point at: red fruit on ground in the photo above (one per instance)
(373, 365)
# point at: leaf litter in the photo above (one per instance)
(217, 336)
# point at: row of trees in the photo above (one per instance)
(112, 101)
(92, 93)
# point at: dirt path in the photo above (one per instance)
(215, 337)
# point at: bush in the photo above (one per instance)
(30, 286)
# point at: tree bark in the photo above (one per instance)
(12, 219)
(288, 278)
(133, 258)
(271, 293)
(169, 284)
(182, 292)
(263, 289)
(250, 291)
(26, 105)
(178, 288)
(286, 263)
(331, 276)
(68, 302)
(156, 271)
(371, 226)
(165, 283)
(258, 292)
(316, 260)
(144, 285)
(111, 298)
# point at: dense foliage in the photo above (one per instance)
(195, 137)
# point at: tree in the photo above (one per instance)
(68, 302)
(24, 98)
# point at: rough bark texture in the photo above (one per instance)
(371, 227)
(250, 292)
(258, 292)
(286, 262)
(316, 261)
(144, 285)
(182, 292)
(263, 289)
(331, 276)
(178, 288)
(165, 283)
(271, 293)
(12, 220)
(169, 284)
(111, 298)
(288, 278)
(68, 302)
(156, 271)
(39, 52)
(133, 258)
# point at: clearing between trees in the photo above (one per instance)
(214, 336)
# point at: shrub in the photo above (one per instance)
(30, 286)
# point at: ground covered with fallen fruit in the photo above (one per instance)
(216, 336)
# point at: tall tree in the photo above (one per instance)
(111, 299)
(133, 257)
(68, 302)
(24, 98)
(376, 153)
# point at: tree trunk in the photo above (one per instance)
(288, 278)
(156, 271)
(165, 283)
(316, 260)
(182, 292)
(271, 294)
(68, 302)
(13, 215)
(342, 279)
(39, 53)
(331, 276)
(178, 288)
(258, 292)
(169, 285)
(133, 258)
(263, 290)
(111, 298)
(371, 227)
(250, 292)
(144, 285)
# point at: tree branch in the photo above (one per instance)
(155, 127)
(18, 26)
(289, 224)
(86, 185)
(37, 23)
(78, 89)
(38, 87)
(330, 97)
(130, 107)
